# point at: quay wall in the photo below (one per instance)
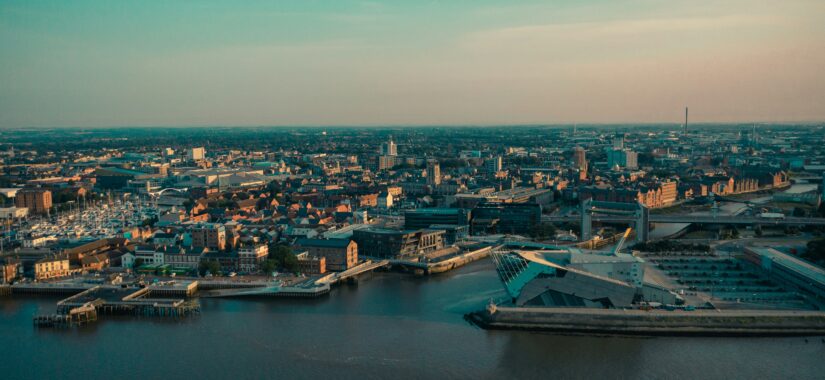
(667, 323)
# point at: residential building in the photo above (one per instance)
(209, 235)
(9, 269)
(51, 267)
(251, 257)
(38, 201)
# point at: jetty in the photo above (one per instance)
(85, 306)
(78, 316)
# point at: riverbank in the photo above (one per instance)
(653, 323)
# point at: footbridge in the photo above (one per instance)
(364, 267)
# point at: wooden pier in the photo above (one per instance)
(77, 316)
(85, 307)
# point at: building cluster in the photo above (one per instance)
(335, 198)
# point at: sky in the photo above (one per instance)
(464, 62)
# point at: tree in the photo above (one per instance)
(798, 212)
(543, 231)
(269, 266)
(815, 251)
(149, 221)
(210, 266)
(284, 258)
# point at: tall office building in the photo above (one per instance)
(493, 164)
(196, 154)
(623, 158)
(38, 201)
(618, 141)
(823, 187)
(433, 173)
(389, 148)
(387, 162)
(579, 158)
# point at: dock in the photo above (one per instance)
(78, 316)
(85, 306)
(112, 300)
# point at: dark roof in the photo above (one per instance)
(326, 243)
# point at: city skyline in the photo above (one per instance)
(103, 64)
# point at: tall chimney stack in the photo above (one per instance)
(686, 119)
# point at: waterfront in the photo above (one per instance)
(390, 325)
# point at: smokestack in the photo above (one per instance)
(686, 119)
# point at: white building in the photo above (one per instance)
(384, 200)
(196, 154)
(149, 255)
(13, 212)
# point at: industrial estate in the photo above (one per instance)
(651, 230)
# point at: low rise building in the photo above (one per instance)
(387, 243)
(251, 257)
(51, 267)
(308, 264)
(340, 254)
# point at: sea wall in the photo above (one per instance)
(656, 322)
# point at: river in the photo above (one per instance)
(391, 325)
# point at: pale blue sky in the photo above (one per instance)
(112, 63)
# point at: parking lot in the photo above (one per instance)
(728, 281)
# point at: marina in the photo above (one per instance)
(97, 220)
